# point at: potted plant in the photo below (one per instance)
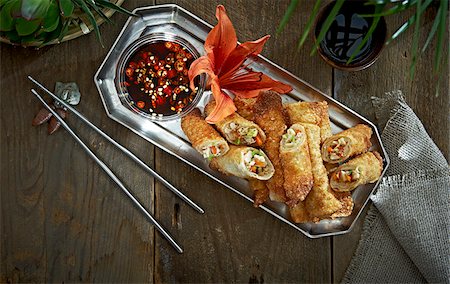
(42, 22)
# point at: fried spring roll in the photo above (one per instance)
(320, 202)
(363, 169)
(238, 130)
(269, 115)
(296, 162)
(312, 113)
(260, 191)
(244, 107)
(346, 144)
(346, 200)
(244, 162)
(299, 214)
(204, 138)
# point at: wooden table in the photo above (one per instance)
(64, 220)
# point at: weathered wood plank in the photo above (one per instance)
(63, 219)
(391, 72)
(234, 242)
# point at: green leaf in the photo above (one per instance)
(34, 9)
(410, 21)
(309, 24)
(13, 36)
(51, 21)
(4, 2)
(50, 36)
(29, 38)
(373, 26)
(6, 20)
(441, 34)
(415, 44)
(64, 30)
(400, 7)
(66, 7)
(24, 27)
(91, 18)
(98, 10)
(326, 25)
(15, 9)
(287, 15)
(107, 4)
(433, 29)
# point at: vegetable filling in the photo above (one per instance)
(337, 148)
(349, 175)
(255, 162)
(242, 134)
(211, 151)
(292, 138)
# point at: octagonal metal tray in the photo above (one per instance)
(169, 136)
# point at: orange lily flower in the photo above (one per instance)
(223, 65)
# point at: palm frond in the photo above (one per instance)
(287, 15)
(326, 25)
(373, 26)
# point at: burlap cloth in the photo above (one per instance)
(406, 235)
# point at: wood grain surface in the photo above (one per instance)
(64, 220)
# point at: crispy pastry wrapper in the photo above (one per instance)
(223, 124)
(346, 200)
(244, 107)
(200, 133)
(232, 163)
(320, 201)
(299, 214)
(370, 166)
(297, 170)
(357, 139)
(269, 115)
(312, 113)
(260, 191)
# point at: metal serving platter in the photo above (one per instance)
(169, 136)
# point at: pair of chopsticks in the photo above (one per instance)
(108, 170)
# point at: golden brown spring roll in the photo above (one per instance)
(299, 214)
(365, 168)
(204, 138)
(346, 144)
(260, 191)
(346, 200)
(312, 113)
(244, 107)
(269, 116)
(244, 162)
(238, 130)
(320, 201)
(296, 162)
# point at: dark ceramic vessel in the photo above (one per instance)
(345, 34)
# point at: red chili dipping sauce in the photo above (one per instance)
(156, 78)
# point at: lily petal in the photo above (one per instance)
(199, 66)
(240, 54)
(221, 40)
(248, 88)
(224, 104)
